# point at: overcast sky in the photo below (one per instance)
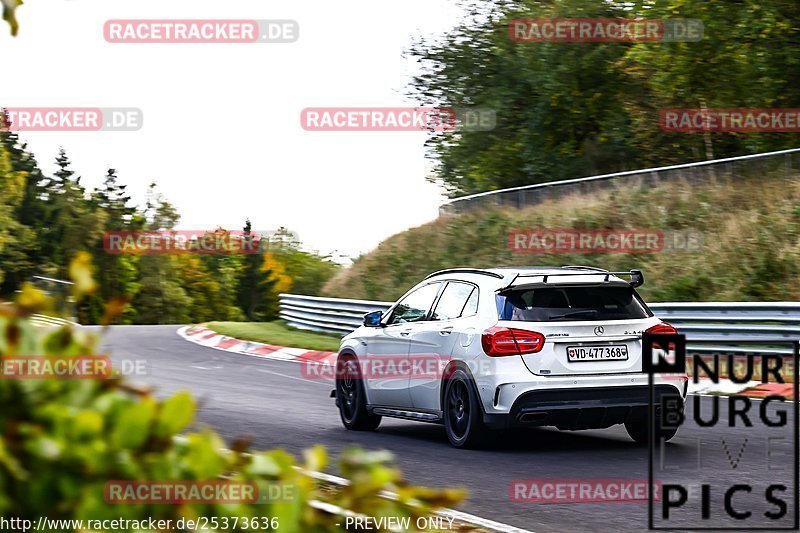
(222, 135)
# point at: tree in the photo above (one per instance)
(54, 188)
(277, 281)
(559, 107)
(116, 273)
(280, 266)
(749, 57)
(20, 210)
(78, 223)
(226, 269)
(12, 184)
(202, 288)
(308, 271)
(253, 289)
(161, 299)
(48, 221)
(114, 200)
(566, 110)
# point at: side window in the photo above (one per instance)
(455, 299)
(415, 306)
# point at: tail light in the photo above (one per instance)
(501, 342)
(663, 328)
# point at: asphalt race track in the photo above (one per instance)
(272, 403)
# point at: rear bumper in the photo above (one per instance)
(581, 408)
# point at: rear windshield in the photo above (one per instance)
(548, 304)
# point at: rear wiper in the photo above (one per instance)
(575, 314)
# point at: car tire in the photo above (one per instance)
(351, 398)
(461, 409)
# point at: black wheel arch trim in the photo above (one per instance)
(460, 365)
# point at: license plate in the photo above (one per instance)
(577, 354)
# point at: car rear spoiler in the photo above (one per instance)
(637, 278)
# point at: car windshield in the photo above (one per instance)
(547, 304)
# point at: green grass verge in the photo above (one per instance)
(277, 333)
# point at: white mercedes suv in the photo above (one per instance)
(477, 350)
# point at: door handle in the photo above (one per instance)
(405, 332)
(446, 331)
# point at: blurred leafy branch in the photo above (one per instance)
(61, 441)
(9, 13)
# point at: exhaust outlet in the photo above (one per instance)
(533, 417)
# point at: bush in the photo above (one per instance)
(63, 440)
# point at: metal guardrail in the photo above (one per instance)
(328, 315)
(713, 326)
(755, 164)
(45, 321)
(717, 324)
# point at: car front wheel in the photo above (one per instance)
(351, 398)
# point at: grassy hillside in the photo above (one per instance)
(751, 249)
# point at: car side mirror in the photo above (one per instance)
(373, 319)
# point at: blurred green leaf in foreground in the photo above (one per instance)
(9, 13)
(63, 440)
